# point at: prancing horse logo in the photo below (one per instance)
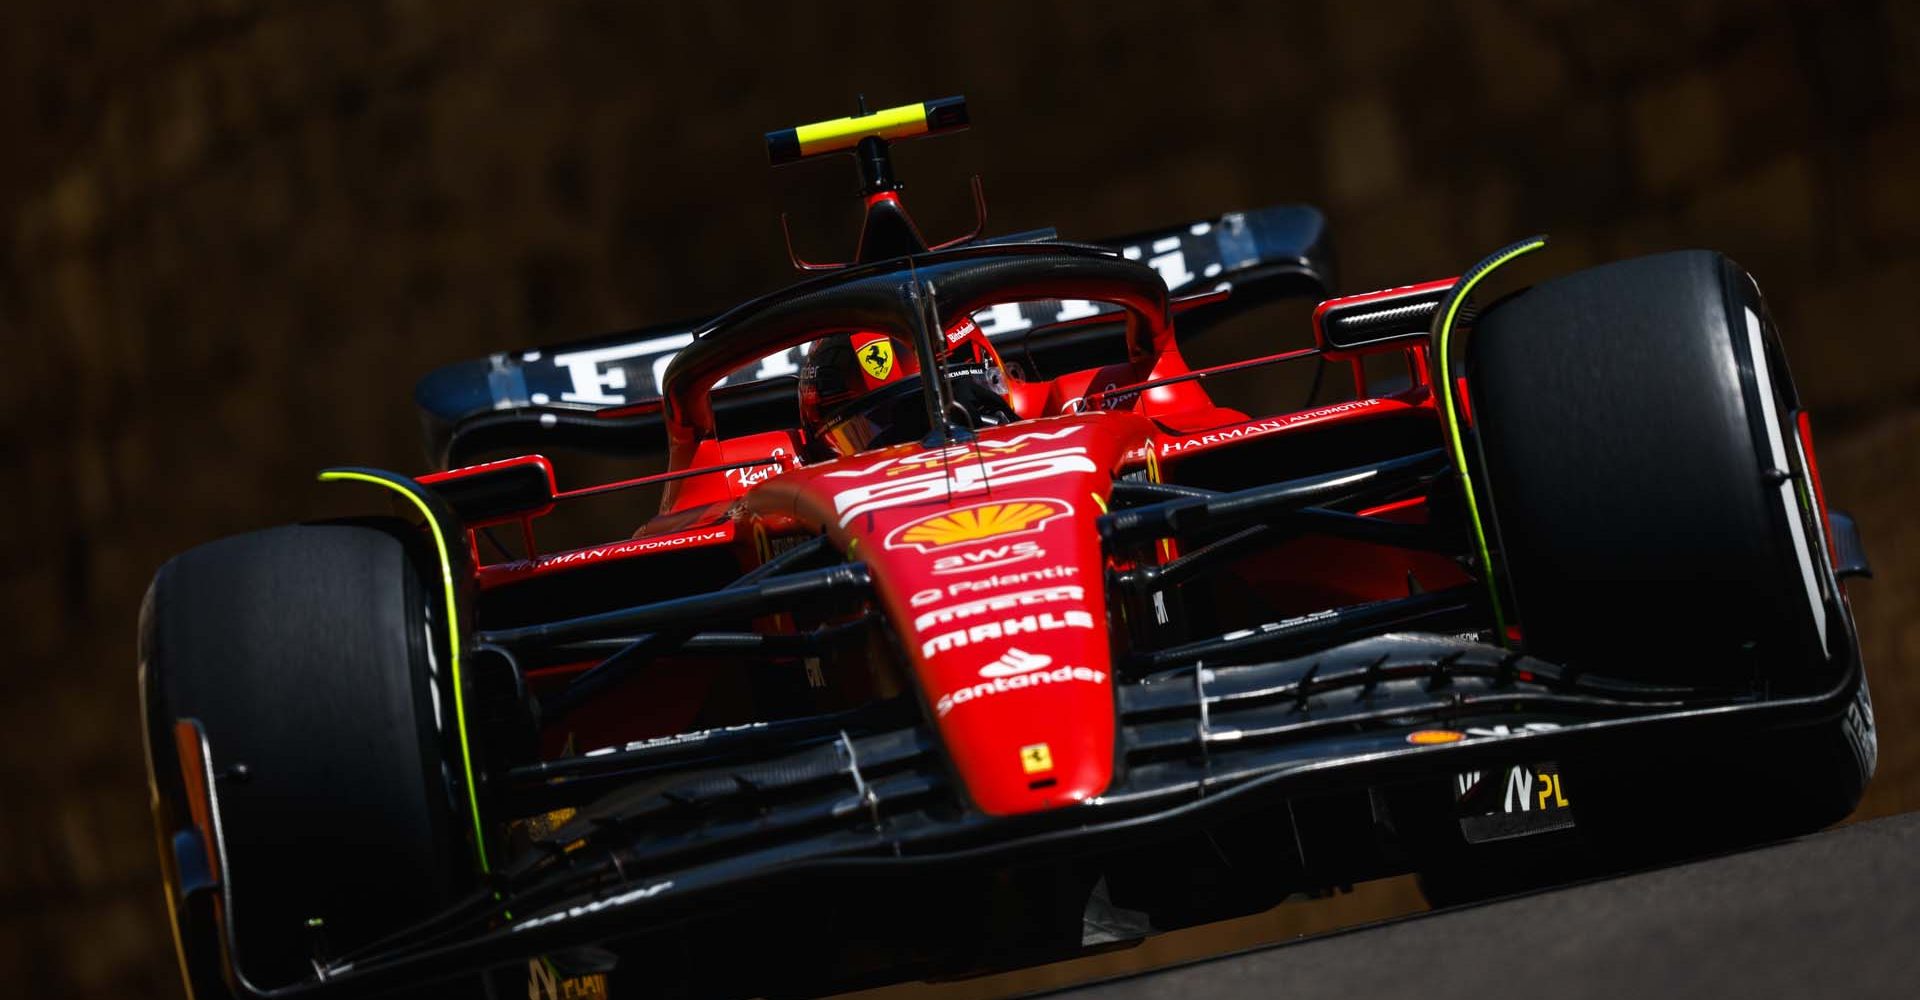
(877, 359)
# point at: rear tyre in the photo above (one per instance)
(310, 656)
(1651, 503)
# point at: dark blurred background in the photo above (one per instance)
(234, 232)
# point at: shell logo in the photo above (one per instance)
(976, 523)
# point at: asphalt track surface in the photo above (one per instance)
(1833, 914)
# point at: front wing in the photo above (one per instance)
(694, 821)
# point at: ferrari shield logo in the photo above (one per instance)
(1036, 758)
(877, 359)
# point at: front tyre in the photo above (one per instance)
(1656, 519)
(309, 656)
(1654, 511)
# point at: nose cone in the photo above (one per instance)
(1031, 730)
(988, 562)
(1003, 608)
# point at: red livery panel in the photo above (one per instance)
(985, 555)
(499, 574)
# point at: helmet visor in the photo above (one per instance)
(898, 413)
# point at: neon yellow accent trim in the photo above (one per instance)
(1453, 426)
(1100, 501)
(1165, 546)
(453, 645)
(845, 133)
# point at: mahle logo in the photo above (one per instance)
(976, 523)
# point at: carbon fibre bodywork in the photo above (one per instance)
(1118, 649)
(700, 820)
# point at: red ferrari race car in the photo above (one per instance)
(971, 631)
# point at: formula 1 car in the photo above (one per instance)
(973, 632)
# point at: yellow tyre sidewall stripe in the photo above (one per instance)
(453, 643)
(1454, 437)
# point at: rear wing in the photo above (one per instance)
(602, 394)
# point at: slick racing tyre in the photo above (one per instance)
(310, 657)
(1650, 502)
(1644, 469)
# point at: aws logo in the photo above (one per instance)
(988, 557)
(976, 523)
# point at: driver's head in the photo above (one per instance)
(861, 391)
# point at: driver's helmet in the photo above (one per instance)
(863, 390)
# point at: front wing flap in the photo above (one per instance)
(1197, 743)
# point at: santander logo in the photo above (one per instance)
(1016, 661)
(988, 557)
(1016, 670)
